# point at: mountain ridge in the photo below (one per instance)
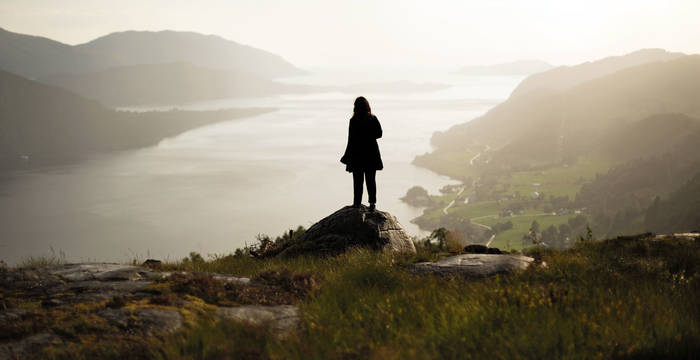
(564, 77)
(658, 87)
(134, 47)
(36, 56)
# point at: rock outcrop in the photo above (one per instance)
(283, 319)
(351, 227)
(475, 265)
(126, 301)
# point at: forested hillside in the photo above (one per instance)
(40, 123)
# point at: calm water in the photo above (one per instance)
(215, 188)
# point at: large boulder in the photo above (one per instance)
(351, 227)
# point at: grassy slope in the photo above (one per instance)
(610, 299)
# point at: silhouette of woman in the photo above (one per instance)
(362, 156)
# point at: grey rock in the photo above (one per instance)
(475, 265)
(18, 349)
(99, 290)
(101, 271)
(232, 279)
(221, 277)
(352, 227)
(11, 315)
(282, 319)
(144, 321)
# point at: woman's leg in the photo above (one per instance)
(357, 177)
(371, 185)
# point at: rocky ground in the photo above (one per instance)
(64, 304)
(72, 305)
(67, 304)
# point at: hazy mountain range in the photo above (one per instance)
(564, 77)
(591, 107)
(53, 95)
(520, 67)
(35, 57)
(639, 112)
(163, 68)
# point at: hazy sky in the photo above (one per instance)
(385, 32)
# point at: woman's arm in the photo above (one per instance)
(378, 128)
(346, 156)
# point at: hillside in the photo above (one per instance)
(632, 297)
(679, 212)
(40, 123)
(653, 158)
(540, 129)
(521, 67)
(34, 57)
(565, 77)
(594, 155)
(174, 83)
(162, 47)
(651, 136)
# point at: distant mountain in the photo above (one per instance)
(521, 67)
(162, 47)
(175, 83)
(34, 57)
(46, 124)
(546, 128)
(565, 77)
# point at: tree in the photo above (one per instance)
(440, 234)
(550, 235)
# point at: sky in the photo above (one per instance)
(407, 33)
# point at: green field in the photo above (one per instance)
(557, 181)
(519, 186)
(512, 239)
(454, 164)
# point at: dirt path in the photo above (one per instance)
(471, 162)
(444, 210)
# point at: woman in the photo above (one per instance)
(362, 156)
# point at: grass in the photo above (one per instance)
(612, 299)
(620, 298)
(600, 300)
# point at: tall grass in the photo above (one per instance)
(612, 299)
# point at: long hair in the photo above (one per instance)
(362, 107)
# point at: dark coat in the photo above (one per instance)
(362, 151)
